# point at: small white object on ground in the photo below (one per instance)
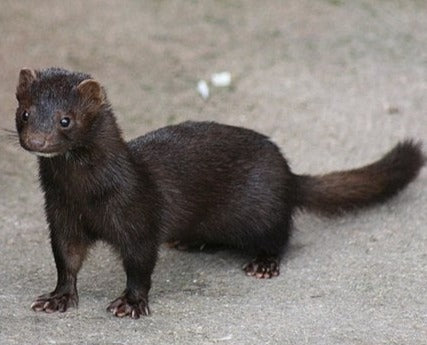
(203, 89)
(227, 337)
(221, 79)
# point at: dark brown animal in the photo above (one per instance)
(188, 184)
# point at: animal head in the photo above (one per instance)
(56, 110)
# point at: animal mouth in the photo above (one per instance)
(45, 154)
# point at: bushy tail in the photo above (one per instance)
(341, 191)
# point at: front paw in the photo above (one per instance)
(53, 301)
(123, 306)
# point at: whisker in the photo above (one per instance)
(12, 142)
(7, 130)
(10, 136)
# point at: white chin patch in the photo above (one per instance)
(44, 154)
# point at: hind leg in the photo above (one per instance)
(269, 250)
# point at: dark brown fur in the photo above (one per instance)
(188, 184)
(372, 184)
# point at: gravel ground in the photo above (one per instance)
(335, 84)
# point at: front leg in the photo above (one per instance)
(69, 254)
(139, 264)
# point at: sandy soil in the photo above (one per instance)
(335, 83)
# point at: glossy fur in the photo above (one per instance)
(188, 184)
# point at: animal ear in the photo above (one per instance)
(26, 78)
(91, 94)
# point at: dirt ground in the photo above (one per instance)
(335, 83)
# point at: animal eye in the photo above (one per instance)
(65, 122)
(25, 115)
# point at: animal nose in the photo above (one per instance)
(37, 143)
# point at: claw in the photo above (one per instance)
(122, 307)
(263, 267)
(50, 303)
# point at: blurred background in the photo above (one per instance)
(335, 83)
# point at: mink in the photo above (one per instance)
(188, 184)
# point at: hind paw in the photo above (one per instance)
(263, 267)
